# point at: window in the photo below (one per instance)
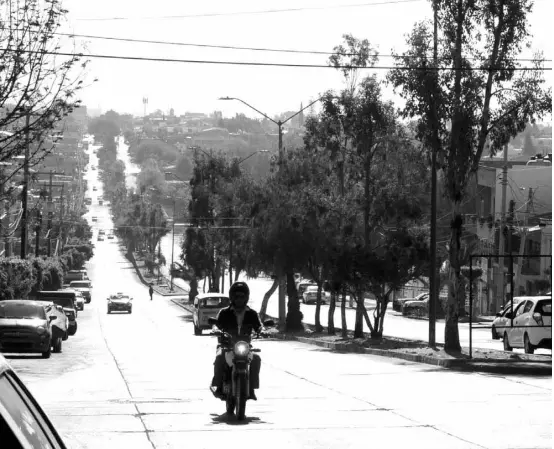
(520, 308)
(528, 306)
(24, 420)
(544, 307)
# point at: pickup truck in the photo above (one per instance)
(75, 275)
(65, 299)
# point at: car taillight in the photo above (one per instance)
(538, 318)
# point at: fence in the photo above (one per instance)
(500, 284)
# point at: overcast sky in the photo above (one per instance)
(196, 87)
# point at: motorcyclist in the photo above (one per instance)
(239, 320)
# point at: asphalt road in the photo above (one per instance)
(141, 381)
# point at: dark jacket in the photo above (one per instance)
(227, 322)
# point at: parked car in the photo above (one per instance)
(94, 188)
(65, 299)
(398, 303)
(310, 295)
(120, 303)
(79, 298)
(501, 320)
(95, 219)
(100, 202)
(25, 326)
(75, 275)
(418, 305)
(84, 287)
(532, 327)
(23, 423)
(100, 238)
(207, 305)
(110, 236)
(101, 232)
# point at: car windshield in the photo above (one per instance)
(120, 297)
(544, 307)
(20, 310)
(214, 302)
(312, 288)
(80, 284)
(63, 302)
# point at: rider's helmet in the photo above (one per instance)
(239, 287)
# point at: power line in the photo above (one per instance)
(239, 13)
(234, 47)
(265, 64)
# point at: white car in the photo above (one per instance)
(310, 295)
(501, 320)
(532, 325)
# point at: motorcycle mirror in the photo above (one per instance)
(269, 323)
(53, 317)
(212, 321)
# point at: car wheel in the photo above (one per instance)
(130, 310)
(494, 334)
(46, 354)
(109, 310)
(57, 345)
(527, 346)
(507, 346)
(197, 330)
(65, 336)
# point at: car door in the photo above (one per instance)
(523, 320)
(516, 332)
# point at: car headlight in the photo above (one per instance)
(41, 330)
(242, 348)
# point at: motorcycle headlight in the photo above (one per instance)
(242, 348)
(41, 330)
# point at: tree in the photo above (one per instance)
(475, 94)
(528, 145)
(184, 167)
(36, 85)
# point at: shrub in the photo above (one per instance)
(16, 278)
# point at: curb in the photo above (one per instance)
(507, 368)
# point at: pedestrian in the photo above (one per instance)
(151, 291)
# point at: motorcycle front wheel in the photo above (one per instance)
(242, 396)
(230, 404)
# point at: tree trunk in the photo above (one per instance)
(267, 295)
(456, 285)
(359, 325)
(331, 316)
(318, 326)
(293, 321)
(344, 332)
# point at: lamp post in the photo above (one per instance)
(279, 123)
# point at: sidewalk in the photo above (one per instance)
(488, 361)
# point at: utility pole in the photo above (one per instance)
(230, 258)
(282, 278)
(509, 230)
(502, 225)
(433, 268)
(37, 232)
(24, 204)
(172, 245)
(61, 216)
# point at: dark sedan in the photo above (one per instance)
(120, 303)
(26, 327)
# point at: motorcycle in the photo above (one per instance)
(236, 378)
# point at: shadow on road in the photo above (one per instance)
(231, 420)
(22, 356)
(187, 318)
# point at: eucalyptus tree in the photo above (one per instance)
(476, 97)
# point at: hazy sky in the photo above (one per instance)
(196, 87)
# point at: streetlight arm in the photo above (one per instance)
(251, 107)
(301, 110)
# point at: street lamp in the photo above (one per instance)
(279, 123)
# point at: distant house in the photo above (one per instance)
(212, 137)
